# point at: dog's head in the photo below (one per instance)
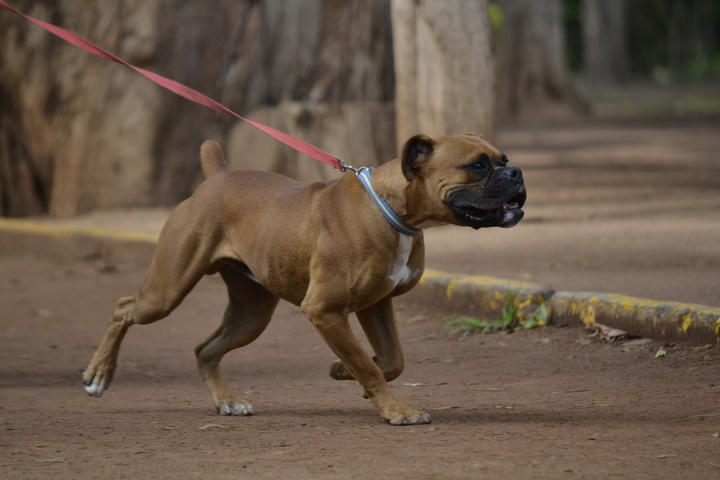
(464, 181)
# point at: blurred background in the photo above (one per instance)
(353, 77)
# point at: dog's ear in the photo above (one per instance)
(416, 151)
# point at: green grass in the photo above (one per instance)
(509, 320)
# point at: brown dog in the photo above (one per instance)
(325, 247)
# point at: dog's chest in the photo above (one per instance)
(401, 272)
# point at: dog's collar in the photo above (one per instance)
(393, 218)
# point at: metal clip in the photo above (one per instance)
(344, 167)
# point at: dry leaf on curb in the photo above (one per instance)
(610, 334)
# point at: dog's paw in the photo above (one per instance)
(235, 407)
(96, 384)
(338, 371)
(409, 417)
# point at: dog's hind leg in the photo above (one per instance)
(380, 326)
(181, 259)
(249, 310)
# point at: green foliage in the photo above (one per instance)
(573, 34)
(667, 40)
(497, 17)
(509, 320)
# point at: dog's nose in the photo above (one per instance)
(512, 172)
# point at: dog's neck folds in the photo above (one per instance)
(364, 174)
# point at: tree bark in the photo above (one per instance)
(604, 33)
(78, 132)
(532, 75)
(444, 68)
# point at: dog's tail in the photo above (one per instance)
(212, 159)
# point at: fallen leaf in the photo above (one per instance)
(426, 359)
(212, 425)
(611, 334)
(637, 343)
(715, 435)
(424, 337)
(661, 353)
(419, 318)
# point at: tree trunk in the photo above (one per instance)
(604, 33)
(444, 68)
(78, 132)
(532, 75)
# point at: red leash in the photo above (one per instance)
(184, 91)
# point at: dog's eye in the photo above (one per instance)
(480, 167)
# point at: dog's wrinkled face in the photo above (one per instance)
(466, 181)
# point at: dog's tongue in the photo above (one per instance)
(510, 206)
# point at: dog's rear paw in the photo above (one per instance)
(338, 371)
(95, 385)
(235, 407)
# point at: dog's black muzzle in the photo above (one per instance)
(498, 203)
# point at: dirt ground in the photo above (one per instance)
(551, 403)
(631, 209)
(622, 207)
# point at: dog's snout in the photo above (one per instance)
(513, 172)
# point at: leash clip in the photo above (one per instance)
(344, 167)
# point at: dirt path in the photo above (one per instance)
(549, 403)
(624, 208)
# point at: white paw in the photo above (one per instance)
(96, 388)
(236, 408)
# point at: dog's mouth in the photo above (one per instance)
(505, 215)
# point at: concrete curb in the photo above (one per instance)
(677, 322)
(475, 295)
(484, 297)
(447, 293)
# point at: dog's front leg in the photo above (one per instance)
(380, 326)
(335, 329)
